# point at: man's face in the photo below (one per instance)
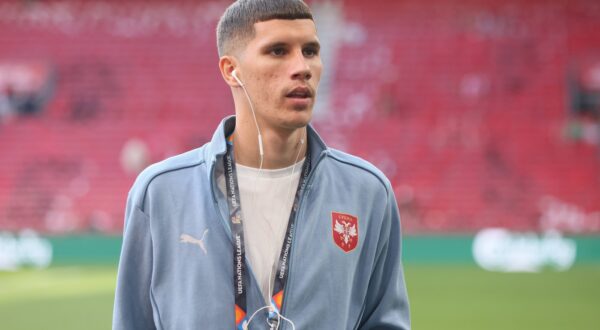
(281, 68)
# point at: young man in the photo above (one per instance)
(264, 227)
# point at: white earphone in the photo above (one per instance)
(234, 74)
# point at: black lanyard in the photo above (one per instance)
(237, 233)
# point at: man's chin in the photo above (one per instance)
(299, 119)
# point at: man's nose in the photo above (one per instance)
(301, 68)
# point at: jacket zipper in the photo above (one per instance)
(300, 212)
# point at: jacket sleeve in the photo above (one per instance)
(387, 301)
(133, 308)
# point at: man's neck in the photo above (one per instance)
(281, 148)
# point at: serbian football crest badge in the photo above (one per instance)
(345, 230)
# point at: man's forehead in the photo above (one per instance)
(285, 30)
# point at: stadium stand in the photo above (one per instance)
(464, 105)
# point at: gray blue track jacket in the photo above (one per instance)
(176, 268)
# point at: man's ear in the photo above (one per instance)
(227, 64)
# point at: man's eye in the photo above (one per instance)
(278, 51)
(310, 52)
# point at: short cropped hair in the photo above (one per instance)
(236, 26)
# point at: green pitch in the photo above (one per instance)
(442, 297)
(455, 297)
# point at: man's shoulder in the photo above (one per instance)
(360, 167)
(171, 169)
(185, 160)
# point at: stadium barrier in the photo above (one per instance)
(506, 252)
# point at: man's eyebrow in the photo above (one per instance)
(313, 44)
(277, 44)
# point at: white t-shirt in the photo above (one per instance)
(266, 198)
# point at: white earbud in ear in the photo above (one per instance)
(234, 74)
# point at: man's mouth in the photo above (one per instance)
(300, 93)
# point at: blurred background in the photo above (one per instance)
(485, 116)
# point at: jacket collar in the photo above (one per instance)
(217, 147)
